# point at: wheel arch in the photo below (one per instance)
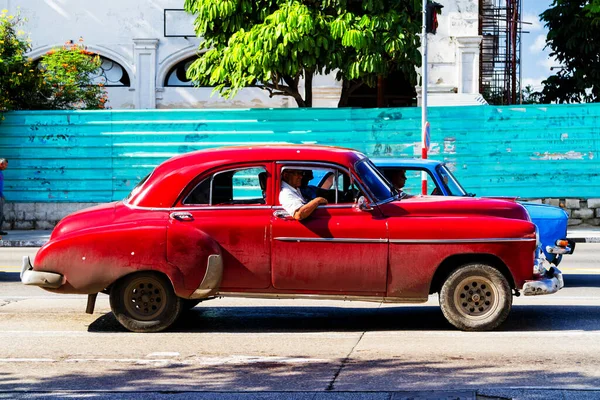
(455, 261)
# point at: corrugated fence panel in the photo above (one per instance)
(97, 156)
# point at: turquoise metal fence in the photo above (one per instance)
(98, 156)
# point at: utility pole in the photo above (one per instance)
(424, 123)
(430, 24)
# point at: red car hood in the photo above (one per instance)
(436, 206)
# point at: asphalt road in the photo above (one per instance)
(301, 349)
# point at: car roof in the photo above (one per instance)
(404, 162)
(166, 182)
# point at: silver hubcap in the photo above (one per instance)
(476, 297)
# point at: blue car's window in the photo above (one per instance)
(450, 182)
(376, 183)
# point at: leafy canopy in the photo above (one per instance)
(271, 44)
(69, 72)
(574, 38)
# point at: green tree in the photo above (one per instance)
(574, 38)
(21, 83)
(530, 96)
(271, 44)
(61, 79)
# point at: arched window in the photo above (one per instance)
(111, 74)
(177, 74)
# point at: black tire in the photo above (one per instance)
(145, 302)
(476, 297)
(188, 304)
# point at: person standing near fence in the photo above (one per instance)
(3, 166)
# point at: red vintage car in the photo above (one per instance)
(209, 224)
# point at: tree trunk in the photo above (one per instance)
(347, 89)
(344, 96)
(293, 85)
(308, 94)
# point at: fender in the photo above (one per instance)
(198, 256)
(104, 255)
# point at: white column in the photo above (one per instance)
(144, 56)
(467, 57)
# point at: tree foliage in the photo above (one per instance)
(21, 83)
(271, 44)
(69, 71)
(574, 38)
(61, 79)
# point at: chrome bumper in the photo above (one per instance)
(551, 282)
(49, 280)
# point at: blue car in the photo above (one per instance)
(551, 221)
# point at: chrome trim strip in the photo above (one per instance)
(376, 299)
(199, 207)
(212, 277)
(336, 240)
(474, 240)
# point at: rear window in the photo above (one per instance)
(137, 187)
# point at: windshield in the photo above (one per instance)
(376, 183)
(450, 182)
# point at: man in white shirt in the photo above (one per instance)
(292, 200)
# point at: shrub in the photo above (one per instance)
(62, 79)
(70, 71)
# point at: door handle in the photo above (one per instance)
(282, 214)
(182, 216)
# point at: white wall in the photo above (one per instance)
(131, 32)
(453, 55)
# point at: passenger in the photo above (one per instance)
(309, 192)
(397, 177)
(291, 198)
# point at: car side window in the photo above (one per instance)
(331, 183)
(413, 183)
(231, 187)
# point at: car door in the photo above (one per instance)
(338, 249)
(230, 208)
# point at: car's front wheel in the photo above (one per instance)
(476, 297)
(145, 302)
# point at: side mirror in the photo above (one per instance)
(362, 204)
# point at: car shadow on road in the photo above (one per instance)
(581, 280)
(10, 276)
(344, 319)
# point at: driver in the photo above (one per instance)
(291, 198)
(398, 178)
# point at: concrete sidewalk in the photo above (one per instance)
(37, 238)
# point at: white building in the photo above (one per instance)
(146, 45)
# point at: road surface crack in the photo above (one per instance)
(331, 385)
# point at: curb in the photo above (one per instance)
(585, 239)
(22, 243)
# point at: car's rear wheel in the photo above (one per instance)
(145, 302)
(476, 297)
